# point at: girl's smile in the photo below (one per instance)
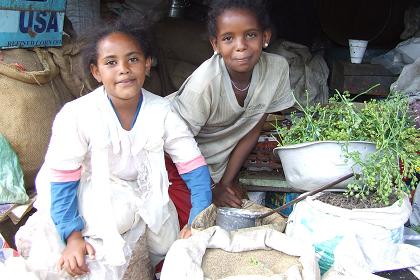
(244, 60)
(127, 82)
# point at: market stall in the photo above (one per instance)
(376, 235)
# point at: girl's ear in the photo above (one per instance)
(95, 72)
(266, 37)
(213, 42)
(148, 66)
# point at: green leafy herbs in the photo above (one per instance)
(415, 228)
(387, 123)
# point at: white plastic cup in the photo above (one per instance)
(357, 50)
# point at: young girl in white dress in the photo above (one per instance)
(104, 184)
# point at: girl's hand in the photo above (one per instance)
(185, 232)
(228, 195)
(73, 256)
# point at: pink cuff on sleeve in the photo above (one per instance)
(185, 167)
(65, 175)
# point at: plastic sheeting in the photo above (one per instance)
(404, 53)
(415, 214)
(308, 73)
(409, 83)
(12, 188)
(355, 242)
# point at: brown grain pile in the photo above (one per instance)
(218, 264)
(139, 267)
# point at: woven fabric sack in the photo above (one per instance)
(178, 58)
(207, 217)
(83, 13)
(31, 93)
(76, 78)
(139, 267)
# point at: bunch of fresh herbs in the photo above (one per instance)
(387, 123)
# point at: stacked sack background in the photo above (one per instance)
(34, 85)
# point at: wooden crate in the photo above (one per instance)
(357, 78)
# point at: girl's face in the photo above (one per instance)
(121, 66)
(239, 40)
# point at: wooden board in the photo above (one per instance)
(357, 78)
(264, 181)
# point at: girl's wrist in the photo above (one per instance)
(75, 235)
(226, 182)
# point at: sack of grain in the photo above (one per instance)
(207, 218)
(254, 253)
(261, 252)
(177, 59)
(139, 266)
(31, 93)
(77, 79)
(354, 234)
(83, 13)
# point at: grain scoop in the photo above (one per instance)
(234, 218)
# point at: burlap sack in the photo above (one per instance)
(77, 79)
(176, 58)
(194, 48)
(252, 253)
(152, 82)
(179, 71)
(140, 267)
(263, 262)
(207, 218)
(31, 93)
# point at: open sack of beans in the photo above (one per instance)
(261, 252)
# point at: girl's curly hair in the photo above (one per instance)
(257, 7)
(135, 25)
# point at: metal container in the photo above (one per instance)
(309, 165)
(233, 218)
(177, 9)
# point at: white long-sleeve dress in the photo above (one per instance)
(123, 189)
